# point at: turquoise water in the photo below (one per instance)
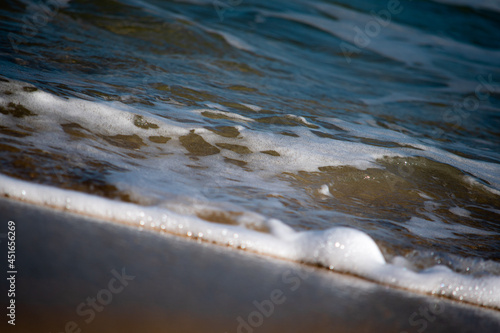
(377, 115)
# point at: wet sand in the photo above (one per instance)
(77, 274)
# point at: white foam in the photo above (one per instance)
(341, 249)
(307, 152)
(325, 190)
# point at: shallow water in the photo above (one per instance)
(375, 115)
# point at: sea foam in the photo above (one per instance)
(341, 249)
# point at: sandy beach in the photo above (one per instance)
(77, 274)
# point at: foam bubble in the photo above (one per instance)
(325, 190)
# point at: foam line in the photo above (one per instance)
(341, 249)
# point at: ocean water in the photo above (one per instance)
(359, 136)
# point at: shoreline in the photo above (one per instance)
(181, 285)
(81, 207)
